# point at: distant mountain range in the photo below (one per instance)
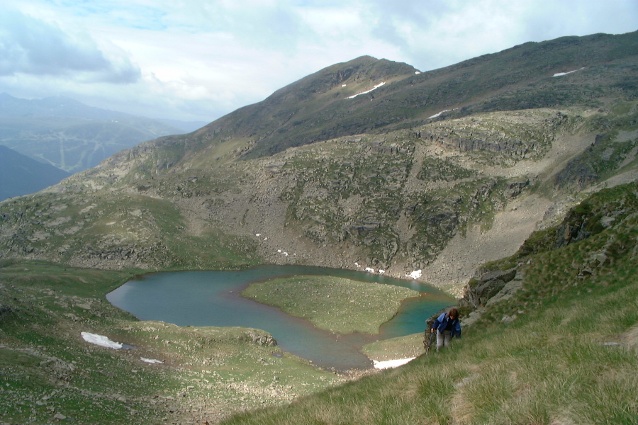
(21, 175)
(72, 136)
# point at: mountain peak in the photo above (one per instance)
(368, 94)
(286, 116)
(356, 74)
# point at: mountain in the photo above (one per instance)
(21, 175)
(71, 135)
(317, 107)
(510, 180)
(364, 164)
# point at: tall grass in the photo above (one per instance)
(546, 369)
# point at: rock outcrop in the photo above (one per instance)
(481, 290)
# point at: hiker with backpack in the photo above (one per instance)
(446, 326)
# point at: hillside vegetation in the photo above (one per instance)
(401, 178)
(563, 349)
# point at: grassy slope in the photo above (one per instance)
(566, 352)
(90, 230)
(47, 369)
(565, 357)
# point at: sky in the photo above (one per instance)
(197, 60)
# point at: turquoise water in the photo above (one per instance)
(213, 298)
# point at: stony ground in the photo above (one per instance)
(456, 264)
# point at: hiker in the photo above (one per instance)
(446, 326)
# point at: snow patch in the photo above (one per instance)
(561, 74)
(367, 91)
(439, 114)
(386, 364)
(369, 269)
(416, 274)
(152, 361)
(279, 251)
(101, 340)
(442, 112)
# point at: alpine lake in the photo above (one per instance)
(213, 298)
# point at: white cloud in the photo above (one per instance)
(436, 34)
(34, 47)
(199, 60)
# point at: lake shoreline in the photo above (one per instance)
(201, 298)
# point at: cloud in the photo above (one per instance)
(434, 34)
(193, 59)
(34, 47)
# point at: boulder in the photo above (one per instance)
(479, 291)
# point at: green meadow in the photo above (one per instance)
(335, 304)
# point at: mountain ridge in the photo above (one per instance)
(397, 192)
(21, 175)
(461, 87)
